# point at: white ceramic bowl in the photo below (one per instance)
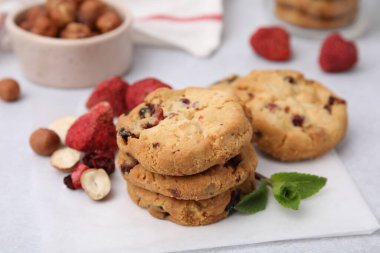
(73, 63)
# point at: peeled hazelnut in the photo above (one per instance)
(65, 159)
(76, 31)
(9, 90)
(43, 25)
(89, 11)
(96, 183)
(108, 21)
(63, 12)
(44, 141)
(61, 126)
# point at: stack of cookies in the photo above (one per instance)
(186, 154)
(318, 14)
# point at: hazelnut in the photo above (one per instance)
(76, 31)
(34, 12)
(89, 11)
(96, 183)
(9, 90)
(108, 21)
(43, 25)
(61, 126)
(62, 12)
(31, 15)
(44, 141)
(65, 159)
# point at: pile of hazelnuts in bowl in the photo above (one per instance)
(70, 19)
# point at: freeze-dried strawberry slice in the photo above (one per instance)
(112, 91)
(137, 92)
(94, 131)
(272, 43)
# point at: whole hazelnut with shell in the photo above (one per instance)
(44, 141)
(89, 11)
(76, 31)
(9, 90)
(108, 21)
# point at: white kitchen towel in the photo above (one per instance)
(192, 25)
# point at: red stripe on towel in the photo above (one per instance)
(209, 17)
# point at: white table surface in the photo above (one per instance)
(360, 151)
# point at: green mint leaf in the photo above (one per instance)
(287, 195)
(306, 184)
(254, 202)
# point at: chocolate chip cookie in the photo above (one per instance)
(293, 118)
(204, 185)
(190, 212)
(184, 132)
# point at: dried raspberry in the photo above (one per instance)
(272, 106)
(97, 160)
(126, 134)
(73, 181)
(271, 43)
(298, 120)
(156, 117)
(337, 54)
(93, 131)
(137, 92)
(112, 91)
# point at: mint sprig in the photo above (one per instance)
(288, 188)
(306, 184)
(254, 202)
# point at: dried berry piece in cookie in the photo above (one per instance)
(298, 120)
(137, 92)
(100, 160)
(272, 106)
(290, 79)
(128, 165)
(234, 162)
(175, 193)
(258, 134)
(146, 111)
(125, 134)
(331, 101)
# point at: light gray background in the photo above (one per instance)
(360, 151)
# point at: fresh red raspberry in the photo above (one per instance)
(72, 181)
(93, 131)
(272, 43)
(137, 92)
(337, 54)
(111, 91)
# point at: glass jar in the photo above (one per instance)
(316, 18)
